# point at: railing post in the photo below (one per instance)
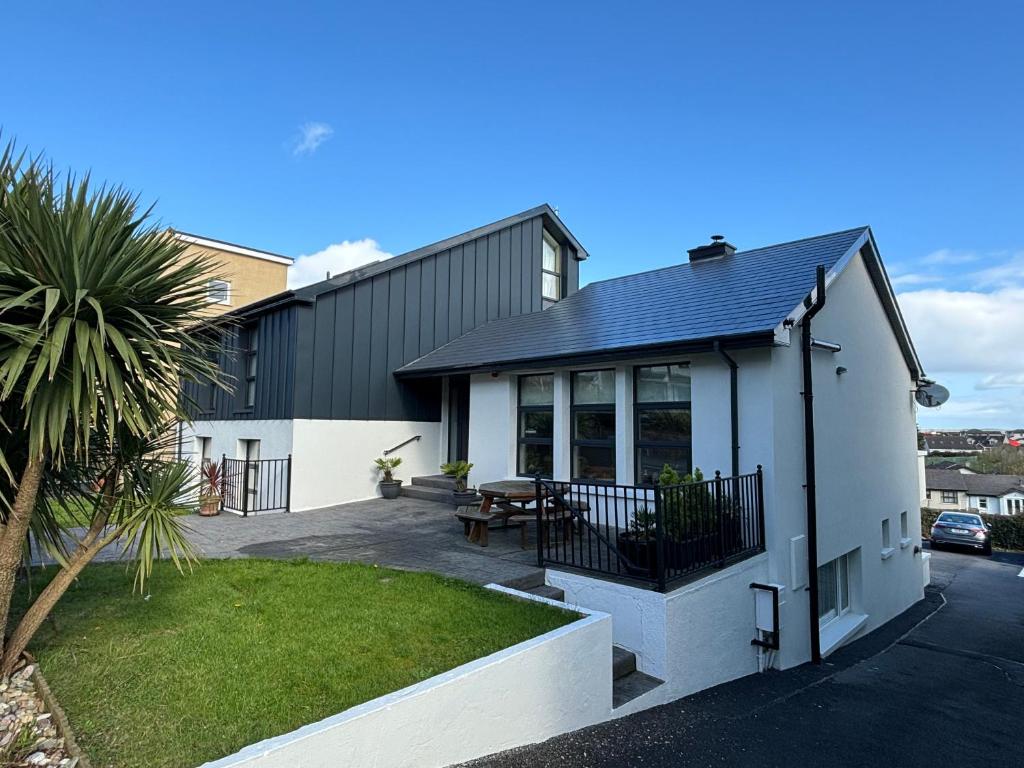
(245, 488)
(659, 537)
(720, 517)
(223, 478)
(760, 507)
(540, 521)
(288, 487)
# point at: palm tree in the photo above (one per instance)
(97, 315)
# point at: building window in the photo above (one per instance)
(949, 497)
(593, 425)
(833, 589)
(661, 418)
(886, 540)
(252, 341)
(536, 425)
(218, 291)
(904, 525)
(983, 504)
(551, 271)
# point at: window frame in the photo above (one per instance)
(574, 441)
(250, 361)
(842, 578)
(547, 301)
(213, 284)
(946, 497)
(520, 410)
(666, 405)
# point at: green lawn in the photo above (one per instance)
(241, 650)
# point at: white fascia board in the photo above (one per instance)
(232, 248)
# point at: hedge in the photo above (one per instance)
(1007, 530)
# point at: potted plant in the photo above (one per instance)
(638, 544)
(459, 470)
(211, 481)
(389, 486)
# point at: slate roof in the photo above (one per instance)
(737, 297)
(952, 442)
(976, 485)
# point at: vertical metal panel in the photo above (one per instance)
(537, 256)
(361, 324)
(394, 406)
(341, 398)
(493, 276)
(504, 273)
(455, 293)
(411, 339)
(427, 299)
(572, 272)
(324, 333)
(480, 312)
(468, 287)
(441, 264)
(379, 346)
(304, 321)
(516, 267)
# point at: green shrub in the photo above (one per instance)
(1007, 530)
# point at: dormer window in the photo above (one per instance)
(551, 271)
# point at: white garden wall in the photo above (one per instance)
(552, 684)
(332, 461)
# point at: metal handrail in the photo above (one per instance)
(405, 442)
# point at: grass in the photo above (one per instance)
(70, 512)
(241, 650)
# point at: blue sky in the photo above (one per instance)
(347, 132)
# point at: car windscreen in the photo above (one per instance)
(948, 517)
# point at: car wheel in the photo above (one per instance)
(987, 550)
(934, 543)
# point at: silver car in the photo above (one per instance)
(963, 529)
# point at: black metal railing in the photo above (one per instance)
(263, 485)
(656, 535)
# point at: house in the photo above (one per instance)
(970, 492)
(483, 346)
(953, 443)
(239, 274)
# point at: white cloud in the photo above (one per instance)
(950, 256)
(966, 331)
(1001, 381)
(311, 136)
(914, 278)
(1009, 273)
(335, 258)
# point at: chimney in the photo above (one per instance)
(717, 248)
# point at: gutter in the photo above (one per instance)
(806, 344)
(734, 406)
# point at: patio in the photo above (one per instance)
(402, 533)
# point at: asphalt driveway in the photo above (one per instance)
(941, 685)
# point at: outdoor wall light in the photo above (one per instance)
(840, 370)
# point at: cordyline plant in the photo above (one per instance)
(97, 315)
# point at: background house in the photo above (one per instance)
(967, 491)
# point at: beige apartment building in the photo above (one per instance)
(239, 274)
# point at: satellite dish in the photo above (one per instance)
(931, 395)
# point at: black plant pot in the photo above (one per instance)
(390, 489)
(462, 498)
(642, 554)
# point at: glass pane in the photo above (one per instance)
(844, 583)
(590, 387)
(536, 424)
(535, 459)
(593, 462)
(650, 462)
(595, 425)
(250, 394)
(551, 288)
(669, 425)
(828, 599)
(537, 390)
(550, 254)
(251, 367)
(663, 384)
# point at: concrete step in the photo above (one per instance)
(435, 481)
(551, 593)
(525, 583)
(628, 687)
(623, 662)
(428, 493)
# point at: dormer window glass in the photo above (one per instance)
(551, 271)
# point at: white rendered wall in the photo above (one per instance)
(332, 460)
(552, 684)
(693, 638)
(492, 430)
(867, 462)
(275, 436)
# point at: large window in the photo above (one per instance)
(551, 272)
(662, 420)
(949, 497)
(218, 291)
(251, 355)
(833, 589)
(536, 425)
(593, 425)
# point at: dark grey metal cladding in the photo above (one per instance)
(275, 375)
(740, 296)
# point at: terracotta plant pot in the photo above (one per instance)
(390, 489)
(209, 506)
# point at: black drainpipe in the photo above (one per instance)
(734, 405)
(813, 308)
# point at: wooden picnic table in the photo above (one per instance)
(501, 500)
